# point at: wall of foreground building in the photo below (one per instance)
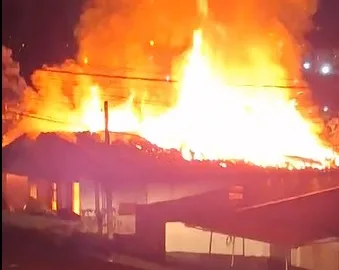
(179, 238)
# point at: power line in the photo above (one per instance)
(34, 116)
(146, 69)
(121, 77)
(118, 98)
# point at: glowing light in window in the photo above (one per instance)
(54, 197)
(33, 191)
(76, 198)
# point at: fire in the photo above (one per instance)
(216, 121)
(224, 109)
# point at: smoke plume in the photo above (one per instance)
(13, 85)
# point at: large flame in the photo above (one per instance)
(223, 110)
(214, 120)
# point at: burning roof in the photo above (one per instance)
(129, 159)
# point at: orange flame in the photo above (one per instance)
(216, 121)
(229, 109)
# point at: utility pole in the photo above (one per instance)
(109, 200)
(98, 213)
(107, 140)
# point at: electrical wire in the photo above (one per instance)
(107, 76)
(115, 98)
(37, 117)
(121, 77)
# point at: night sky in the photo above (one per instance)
(46, 29)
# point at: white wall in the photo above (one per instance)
(317, 257)
(87, 191)
(180, 238)
(150, 194)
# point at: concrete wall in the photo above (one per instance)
(149, 194)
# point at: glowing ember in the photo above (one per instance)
(223, 110)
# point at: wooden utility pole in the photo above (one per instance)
(107, 141)
(98, 213)
(109, 200)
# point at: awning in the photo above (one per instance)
(290, 222)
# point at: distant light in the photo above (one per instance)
(325, 69)
(307, 65)
(23, 45)
(325, 109)
(85, 60)
(151, 43)
(168, 78)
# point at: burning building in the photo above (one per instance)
(142, 173)
(234, 94)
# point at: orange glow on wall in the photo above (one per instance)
(54, 197)
(33, 191)
(76, 198)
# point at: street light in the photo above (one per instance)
(325, 69)
(307, 65)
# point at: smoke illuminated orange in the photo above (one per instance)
(224, 110)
